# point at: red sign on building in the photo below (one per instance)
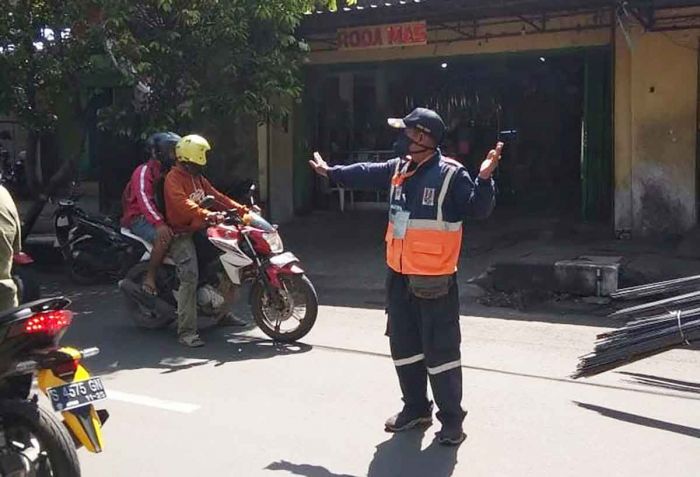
(383, 36)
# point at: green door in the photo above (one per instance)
(596, 137)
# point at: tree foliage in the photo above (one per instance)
(42, 62)
(204, 58)
(180, 63)
(188, 58)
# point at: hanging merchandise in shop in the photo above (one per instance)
(383, 36)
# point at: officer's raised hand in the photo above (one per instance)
(491, 162)
(319, 165)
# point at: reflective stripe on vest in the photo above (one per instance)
(430, 246)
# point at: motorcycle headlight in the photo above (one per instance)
(274, 240)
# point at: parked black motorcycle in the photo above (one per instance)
(33, 440)
(92, 246)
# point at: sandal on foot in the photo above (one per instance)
(192, 340)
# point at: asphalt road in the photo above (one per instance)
(242, 406)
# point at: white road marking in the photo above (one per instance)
(183, 407)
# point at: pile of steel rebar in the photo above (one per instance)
(659, 288)
(654, 328)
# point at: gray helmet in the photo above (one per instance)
(163, 145)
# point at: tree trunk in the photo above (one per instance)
(59, 179)
(68, 168)
(30, 165)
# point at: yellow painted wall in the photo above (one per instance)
(280, 148)
(655, 131)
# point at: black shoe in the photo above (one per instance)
(409, 419)
(450, 437)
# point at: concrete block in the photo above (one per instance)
(587, 277)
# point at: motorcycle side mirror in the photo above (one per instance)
(251, 192)
(207, 201)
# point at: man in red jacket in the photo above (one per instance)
(141, 214)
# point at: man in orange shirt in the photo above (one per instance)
(185, 188)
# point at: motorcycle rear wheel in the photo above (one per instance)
(142, 316)
(26, 421)
(300, 289)
(79, 275)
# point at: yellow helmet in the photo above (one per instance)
(192, 148)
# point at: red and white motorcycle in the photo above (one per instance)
(242, 249)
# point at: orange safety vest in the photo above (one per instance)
(431, 245)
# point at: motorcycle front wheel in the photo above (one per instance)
(292, 316)
(34, 435)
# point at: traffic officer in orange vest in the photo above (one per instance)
(430, 196)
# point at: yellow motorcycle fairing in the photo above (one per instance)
(83, 422)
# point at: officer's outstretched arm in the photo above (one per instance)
(364, 175)
(474, 199)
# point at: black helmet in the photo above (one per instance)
(163, 145)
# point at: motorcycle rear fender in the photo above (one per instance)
(85, 426)
(84, 423)
(22, 258)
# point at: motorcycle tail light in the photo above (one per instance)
(46, 322)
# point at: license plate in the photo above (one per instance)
(75, 395)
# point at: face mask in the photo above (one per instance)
(402, 146)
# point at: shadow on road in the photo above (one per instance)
(400, 456)
(139, 349)
(665, 383)
(641, 420)
(403, 456)
(305, 470)
(102, 320)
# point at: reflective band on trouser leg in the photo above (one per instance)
(445, 367)
(406, 344)
(447, 390)
(406, 361)
(442, 355)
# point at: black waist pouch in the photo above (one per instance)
(430, 287)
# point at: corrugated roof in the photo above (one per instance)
(383, 11)
(368, 12)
